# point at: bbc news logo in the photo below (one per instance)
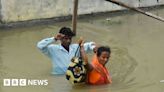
(24, 82)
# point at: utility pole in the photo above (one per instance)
(74, 16)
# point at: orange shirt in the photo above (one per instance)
(99, 74)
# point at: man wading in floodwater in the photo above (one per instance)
(61, 54)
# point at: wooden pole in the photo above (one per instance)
(74, 17)
(137, 10)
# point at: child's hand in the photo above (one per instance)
(95, 49)
(81, 41)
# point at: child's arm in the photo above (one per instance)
(84, 56)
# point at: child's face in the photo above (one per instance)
(103, 58)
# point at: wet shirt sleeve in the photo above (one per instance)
(89, 46)
(43, 45)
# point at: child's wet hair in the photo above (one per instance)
(102, 49)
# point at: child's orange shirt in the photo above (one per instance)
(99, 74)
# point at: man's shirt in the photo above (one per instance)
(59, 56)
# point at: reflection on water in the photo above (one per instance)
(122, 65)
(136, 62)
(1, 69)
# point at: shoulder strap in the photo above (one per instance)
(76, 54)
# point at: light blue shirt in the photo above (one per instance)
(59, 56)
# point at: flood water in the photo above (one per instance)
(136, 64)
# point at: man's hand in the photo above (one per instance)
(58, 36)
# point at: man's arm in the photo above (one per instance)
(89, 46)
(43, 45)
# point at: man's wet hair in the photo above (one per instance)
(102, 49)
(66, 31)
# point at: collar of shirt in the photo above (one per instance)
(71, 48)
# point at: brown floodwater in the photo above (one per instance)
(136, 64)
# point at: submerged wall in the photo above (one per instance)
(22, 10)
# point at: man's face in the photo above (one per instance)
(66, 40)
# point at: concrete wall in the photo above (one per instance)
(145, 3)
(161, 2)
(22, 10)
(92, 6)
(0, 11)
